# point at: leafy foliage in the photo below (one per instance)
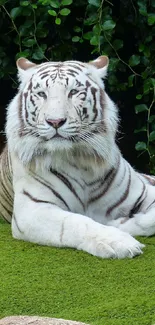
(61, 29)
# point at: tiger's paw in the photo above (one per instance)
(112, 243)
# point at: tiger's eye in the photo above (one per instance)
(72, 92)
(42, 94)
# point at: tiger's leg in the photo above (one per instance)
(47, 224)
(140, 224)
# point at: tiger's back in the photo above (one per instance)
(6, 187)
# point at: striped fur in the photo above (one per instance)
(72, 187)
(6, 188)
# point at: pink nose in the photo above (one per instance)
(56, 123)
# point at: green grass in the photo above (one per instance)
(70, 284)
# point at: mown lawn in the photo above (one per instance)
(70, 284)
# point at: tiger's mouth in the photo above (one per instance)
(58, 136)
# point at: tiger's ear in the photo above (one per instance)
(101, 63)
(24, 64)
(25, 69)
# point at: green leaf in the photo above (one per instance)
(153, 81)
(96, 29)
(113, 80)
(58, 21)
(140, 146)
(54, 4)
(153, 126)
(38, 54)
(28, 23)
(24, 3)
(88, 35)
(152, 136)
(147, 52)
(91, 20)
(29, 42)
(142, 7)
(24, 54)
(23, 31)
(95, 3)
(52, 12)
(139, 96)
(113, 64)
(2, 2)
(94, 40)
(64, 12)
(140, 108)
(15, 12)
(34, 6)
(108, 25)
(77, 29)
(75, 39)
(143, 129)
(43, 47)
(66, 2)
(134, 60)
(151, 19)
(26, 11)
(152, 118)
(147, 86)
(141, 47)
(118, 44)
(130, 80)
(148, 39)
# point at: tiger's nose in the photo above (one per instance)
(56, 123)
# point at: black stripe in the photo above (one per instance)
(93, 91)
(107, 180)
(25, 108)
(150, 179)
(6, 209)
(153, 202)
(70, 74)
(47, 72)
(123, 197)
(67, 183)
(75, 66)
(138, 203)
(47, 66)
(75, 180)
(20, 115)
(46, 184)
(6, 195)
(15, 220)
(78, 83)
(72, 71)
(75, 63)
(45, 75)
(35, 199)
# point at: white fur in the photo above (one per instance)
(87, 226)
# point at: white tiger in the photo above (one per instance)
(71, 186)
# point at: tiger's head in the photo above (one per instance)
(61, 106)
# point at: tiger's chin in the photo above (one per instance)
(58, 149)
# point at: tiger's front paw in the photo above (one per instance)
(110, 242)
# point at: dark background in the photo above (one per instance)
(131, 26)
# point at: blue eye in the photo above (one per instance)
(73, 92)
(42, 94)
